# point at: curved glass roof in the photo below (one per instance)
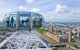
(24, 14)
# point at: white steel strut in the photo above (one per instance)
(24, 40)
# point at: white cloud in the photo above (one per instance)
(29, 1)
(62, 9)
(23, 8)
(35, 10)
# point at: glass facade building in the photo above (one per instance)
(22, 19)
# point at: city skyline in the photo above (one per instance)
(52, 10)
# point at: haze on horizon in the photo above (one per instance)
(52, 10)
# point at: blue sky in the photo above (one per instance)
(52, 10)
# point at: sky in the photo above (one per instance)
(52, 10)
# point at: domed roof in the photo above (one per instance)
(25, 14)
